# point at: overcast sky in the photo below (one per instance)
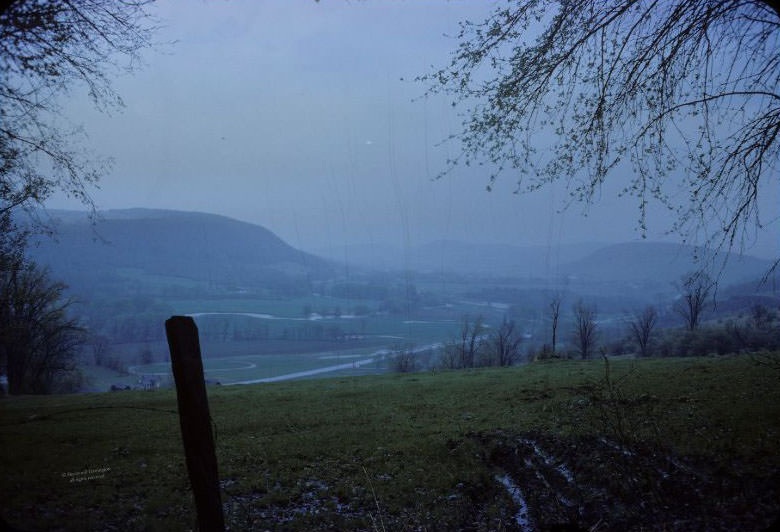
(293, 115)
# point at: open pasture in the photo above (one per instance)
(417, 451)
(230, 370)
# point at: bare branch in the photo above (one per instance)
(684, 94)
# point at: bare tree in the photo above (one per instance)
(692, 301)
(555, 312)
(470, 340)
(504, 344)
(642, 325)
(48, 47)
(38, 339)
(98, 345)
(448, 356)
(146, 356)
(759, 316)
(685, 94)
(463, 351)
(404, 360)
(584, 329)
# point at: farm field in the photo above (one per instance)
(280, 352)
(450, 450)
(286, 308)
(230, 370)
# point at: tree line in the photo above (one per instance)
(478, 345)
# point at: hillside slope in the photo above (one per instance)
(428, 451)
(456, 257)
(661, 262)
(190, 245)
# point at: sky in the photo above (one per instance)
(303, 117)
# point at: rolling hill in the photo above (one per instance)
(456, 257)
(187, 245)
(660, 262)
(218, 250)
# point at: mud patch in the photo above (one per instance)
(598, 484)
(313, 502)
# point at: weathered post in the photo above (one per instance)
(195, 421)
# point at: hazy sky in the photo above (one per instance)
(293, 115)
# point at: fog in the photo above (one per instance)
(305, 118)
(290, 315)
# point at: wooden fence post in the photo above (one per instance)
(195, 421)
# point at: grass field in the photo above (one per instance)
(288, 308)
(231, 361)
(239, 361)
(249, 367)
(668, 444)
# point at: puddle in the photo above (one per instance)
(584, 481)
(521, 516)
(559, 467)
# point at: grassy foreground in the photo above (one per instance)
(670, 444)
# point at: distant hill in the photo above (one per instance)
(225, 252)
(659, 262)
(188, 245)
(450, 256)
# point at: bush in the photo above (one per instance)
(622, 346)
(39, 339)
(404, 361)
(734, 336)
(71, 382)
(545, 353)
